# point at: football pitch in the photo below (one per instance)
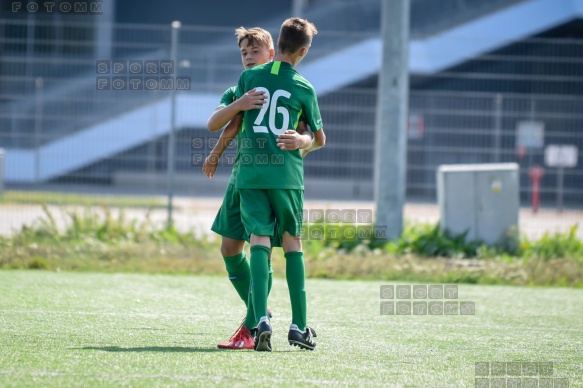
(80, 329)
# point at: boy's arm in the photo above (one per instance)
(304, 131)
(253, 99)
(212, 161)
(293, 140)
(318, 142)
(314, 119)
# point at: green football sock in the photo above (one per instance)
(270, 280)
(295, 274)
(259, 279)
(239, 274)
(250, 321)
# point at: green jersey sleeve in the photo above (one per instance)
(228, 97)
(240, 88)
(311, 111)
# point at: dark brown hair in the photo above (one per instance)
(294, 34)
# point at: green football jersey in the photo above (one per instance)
(229, 96)
(263, 165)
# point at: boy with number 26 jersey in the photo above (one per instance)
(271, 176)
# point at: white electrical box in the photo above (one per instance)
(480, 198)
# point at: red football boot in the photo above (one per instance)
(242, 339)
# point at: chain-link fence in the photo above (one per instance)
(66, 125)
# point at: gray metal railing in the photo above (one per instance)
(64, 65)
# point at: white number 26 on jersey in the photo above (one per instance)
(271, 106)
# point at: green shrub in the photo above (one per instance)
(557, 245)
(38, 263)
(430, 241)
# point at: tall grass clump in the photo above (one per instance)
(99, 240)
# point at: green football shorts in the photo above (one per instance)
(228, 222)
(269, 212)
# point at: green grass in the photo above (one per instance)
(84, 329)
(58, 198)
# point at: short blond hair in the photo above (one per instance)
(294, 34)
(255, 34)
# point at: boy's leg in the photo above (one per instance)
(288, 207)
(295, 275)
(259, 221)
(270, 279)
(228, 224)
(276, 241)
(240, 276)
(289, 212)
(250, 321)
(260, 278)
(237, 265)
(300, 334)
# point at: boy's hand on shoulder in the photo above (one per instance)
(253, 99)
(290, 140)
(210, 165)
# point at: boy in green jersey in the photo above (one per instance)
(271, 175)
(256, 46)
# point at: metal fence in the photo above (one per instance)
(488, 109)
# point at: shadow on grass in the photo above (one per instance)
(163, 349)
(177, 349)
